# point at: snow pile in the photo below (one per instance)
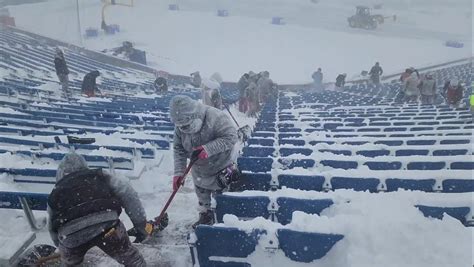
(378, 229)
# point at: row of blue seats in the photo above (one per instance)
(265, 182)
(146, 153)
(254, 151)
(281, 209)
(95, 161)
(266, 164)
(355, 128)
(266, 140)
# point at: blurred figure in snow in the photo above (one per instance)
(341, 81)
(375, 72)
(428, 89)
(265, 85)
(211, 94)
(411, 88)
(161, 85)
(242, 84)
(62, 71)
(453, 91)
(89, 85)
(196, 79)
(251, 93)
(318, 79)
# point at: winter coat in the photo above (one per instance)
(60, 66)
(242, 84)
(83, 229)
(317, 77)
(89, 85)
(217, 135)
(404, 76)
(264, 88)
(161, 84)
(340, 81)
(454, 94)
(428, 87)
(196, 79)
(376, 71)
(411, 85)
(212, 98)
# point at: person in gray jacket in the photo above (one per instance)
(411, 88)
(428, 89)
(84, 208)
(206, 136)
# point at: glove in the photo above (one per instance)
(177, 182)
(199, 153)
(141, 235)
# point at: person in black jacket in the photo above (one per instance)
(62, 71)
(161, 85)
(84, 209)
(341, 81)
(89, 86)
(375, 72)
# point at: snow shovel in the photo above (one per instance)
(243, 132)
(159, 223)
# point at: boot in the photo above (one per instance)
(205, 218)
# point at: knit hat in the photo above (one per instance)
(72, 162)
(183, 110)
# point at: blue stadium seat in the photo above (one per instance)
(450, 152)
(224, 242)
(258, 152)
(382, 165)
(421, 142)
(243, 207)
(411, 152)
(455, 142)
(302, 182)
(373, 153)
(252, 181)
(467, 165)
(11, 200)
(286, 207)
(389, 143)
(263, 135)
(289, 163)
(340, 164)
(254, 164)
(261, 141)
(426, 165)
(337, 152)
(295, 142)
(356, 184)
(459, 213)
(426, 185)
(285, 152)
(306, 247)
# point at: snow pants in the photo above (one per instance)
(64, 80)
(114, 243)
(204, 197)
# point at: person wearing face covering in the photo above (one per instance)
(207, 135)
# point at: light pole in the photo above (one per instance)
(78, 23)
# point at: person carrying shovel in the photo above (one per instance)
(206, 136)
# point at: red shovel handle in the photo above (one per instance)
(163, 211)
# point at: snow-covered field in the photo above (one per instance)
(316, 35)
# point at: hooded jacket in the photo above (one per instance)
(89, 83)
(411, 85)
(216, 134)
(428, 87)
(97, 213)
